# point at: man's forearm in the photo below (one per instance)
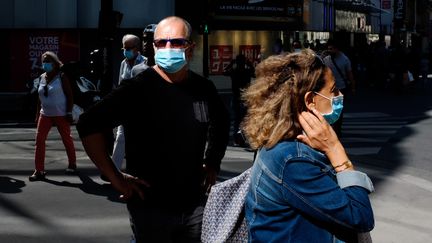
(96, 149)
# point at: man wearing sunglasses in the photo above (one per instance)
(176, 130)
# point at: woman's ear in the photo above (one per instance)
(309, 100)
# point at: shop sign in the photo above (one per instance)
(220, 57)
(28, 48)
(351, 22)
(399, 10)
(260, 8)
(251, 52)
(399, 13)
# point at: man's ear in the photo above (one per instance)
(190, 50)
(309, 100)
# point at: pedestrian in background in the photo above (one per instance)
(296, 46)
(241, 72)
(54, 108)
(341, 67)
(148, 51)
(174, 146)
(303, 186)
(147, 42)
(278, 47)
(132, 57)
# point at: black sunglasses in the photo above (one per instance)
(45, 90)
(175, 43)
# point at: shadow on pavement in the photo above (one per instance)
(378, 125)
(10, 185)
(89, 186)
(16, 209)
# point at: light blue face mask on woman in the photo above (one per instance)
(171, 60)
(337, 107)
(47, 66)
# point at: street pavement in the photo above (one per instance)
(386, 135)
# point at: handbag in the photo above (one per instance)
(364, 237)
(224, 216)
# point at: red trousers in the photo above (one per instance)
(44, 126)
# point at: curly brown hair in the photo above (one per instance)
(277, 96)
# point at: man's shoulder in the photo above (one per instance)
(195, 76)
(146, 72)
(138, 68)
(143, 77)
(200, 81)
(343, 57)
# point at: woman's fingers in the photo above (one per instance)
(304, 122)
(315, 128)
(304, 139)
(319, 116)
(312, 119)
(311, 124)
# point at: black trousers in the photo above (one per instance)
(157, 224)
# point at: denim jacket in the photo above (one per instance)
(296, 196)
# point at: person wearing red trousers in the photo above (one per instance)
(54, 108)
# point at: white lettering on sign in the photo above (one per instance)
(40, 44)
(399, 12)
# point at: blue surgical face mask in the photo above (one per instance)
(129, 54)
(171, 60)
(337, 107)
(47, 66)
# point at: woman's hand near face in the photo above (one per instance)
(317, 132)
(320, 135)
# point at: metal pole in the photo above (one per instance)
(415, 16)
(106, 30)
(380, 20)
(205, 54)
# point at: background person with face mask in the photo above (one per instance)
(303, 185)
(54, 108)
(174, 145)
(340, 66)
(133, 57)
(148, 51)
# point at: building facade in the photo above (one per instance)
(222, 29)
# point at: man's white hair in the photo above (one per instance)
(128, 37)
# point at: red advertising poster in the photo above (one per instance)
(220, 57)
(28, 47)
(251, 52)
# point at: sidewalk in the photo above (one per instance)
(387, 136)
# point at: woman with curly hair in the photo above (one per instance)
(303, 185)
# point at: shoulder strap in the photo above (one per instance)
(40, 77)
